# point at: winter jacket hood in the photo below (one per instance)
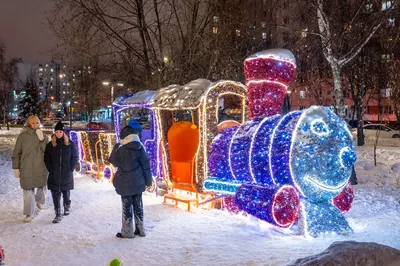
(132, 142)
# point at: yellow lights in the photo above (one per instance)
(203, 103)
(87, 153)
(107, 140)
(165, 59)
(108, 83)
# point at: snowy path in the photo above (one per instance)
(176, 237)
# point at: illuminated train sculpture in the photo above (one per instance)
(95, 146)
(280, 167)
(139, 102)
(94, 149)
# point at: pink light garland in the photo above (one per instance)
(267, 79)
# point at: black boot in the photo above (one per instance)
(138, 214)
(139, 229)
(58, 217)
(66, 209)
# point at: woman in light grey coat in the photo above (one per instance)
(29, 167)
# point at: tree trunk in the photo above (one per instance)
(397, 112)
(338, 91)
(360, 124)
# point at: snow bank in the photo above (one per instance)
(14, 131)
(350, 253)
(383, 142)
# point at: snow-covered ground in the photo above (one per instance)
(178, 237)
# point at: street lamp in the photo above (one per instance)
(112, 84)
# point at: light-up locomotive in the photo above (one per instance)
(282, 167)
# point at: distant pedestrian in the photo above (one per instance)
(131, 179)
(353, 177)
(28, 165)
(61, 159)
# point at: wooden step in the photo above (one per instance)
(183, 199)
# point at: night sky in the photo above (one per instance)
(23, 29)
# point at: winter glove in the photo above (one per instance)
(40, 135)
(16, 173)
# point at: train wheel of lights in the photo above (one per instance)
(286, 206)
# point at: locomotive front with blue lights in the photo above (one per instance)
(275, 165)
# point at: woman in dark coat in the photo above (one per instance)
(60, 158)
(131, 179)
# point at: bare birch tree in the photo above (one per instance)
(344, 30)
(394, 86)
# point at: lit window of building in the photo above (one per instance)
(264, 35)
(215, 30)
(386, 93)
(369, 6)
(387, 58)
(215, 18)
(386, 5)
(237, 32)
(304, 33)
(263, 24)
(390, 23)
(302, 94)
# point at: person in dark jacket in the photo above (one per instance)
(60, 158)
(131, 179)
